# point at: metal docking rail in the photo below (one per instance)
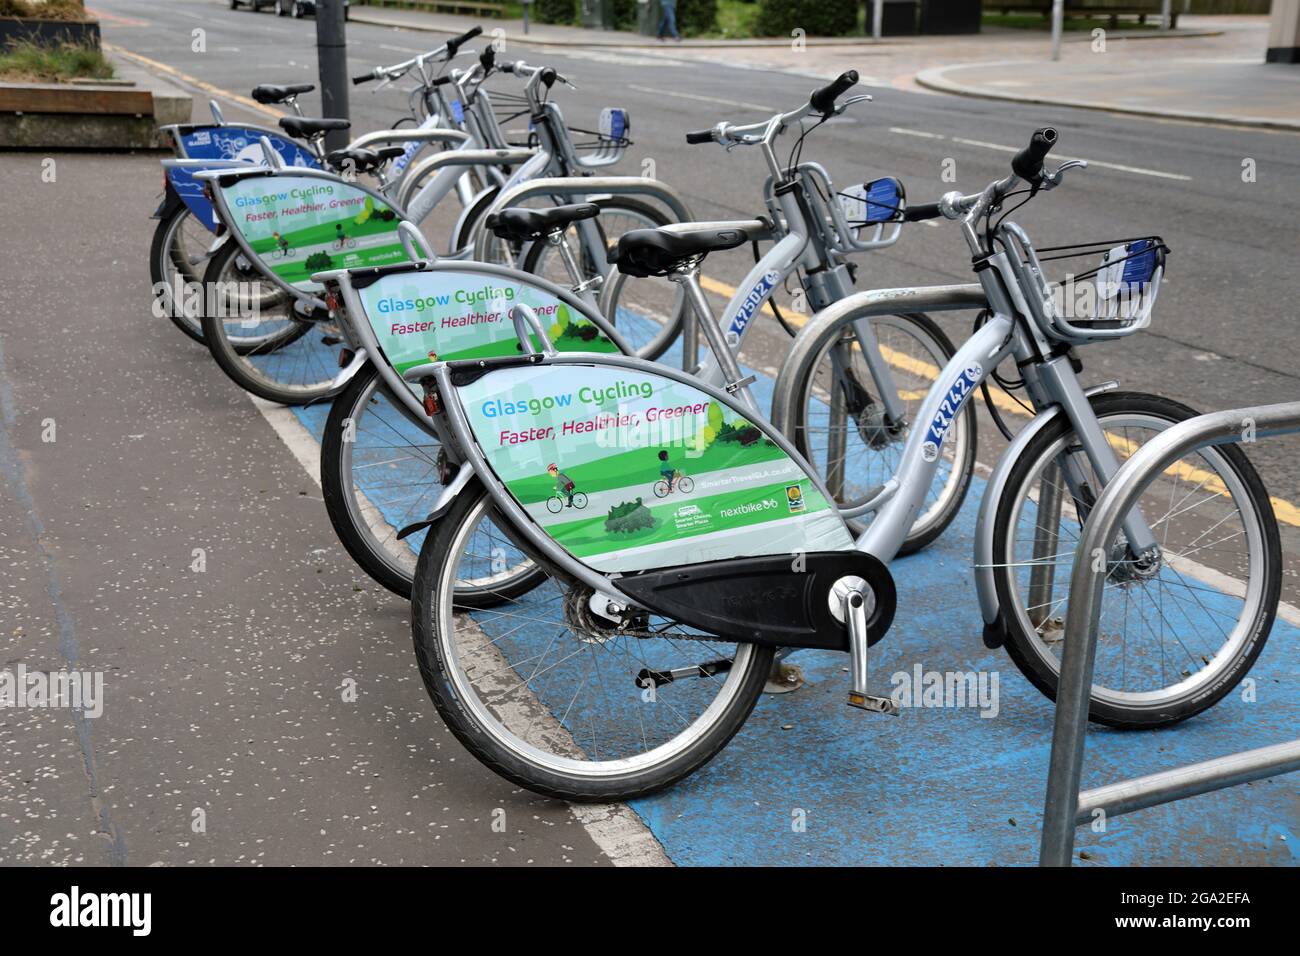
(1066, 808)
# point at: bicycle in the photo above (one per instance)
(557, 503)
(685, 616)
(663, 487)
(382, 471)
(879, 370)
(388, 429)
(184, 242)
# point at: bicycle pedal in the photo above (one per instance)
(330, 340)
(878, 705)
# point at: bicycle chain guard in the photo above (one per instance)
(773, 600)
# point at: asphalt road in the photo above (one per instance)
(157, 455)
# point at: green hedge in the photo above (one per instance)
(817, 18)
(693, 16)
(556, 11)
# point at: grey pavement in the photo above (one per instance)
(167, 539)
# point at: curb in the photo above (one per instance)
(937, 80)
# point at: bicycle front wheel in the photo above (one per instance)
(549, 698)
(1177, 632)
(844, 431)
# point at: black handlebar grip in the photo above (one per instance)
(455, 43)
(549, 76)
(823, 100)
(440, 80)
(363, 78)
(1028, 163)
(922, 210)
(695, 137)
(488, 57)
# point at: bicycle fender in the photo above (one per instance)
(171, 202)
(444, 501)
(985, 589)
(349, 371)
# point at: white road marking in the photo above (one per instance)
(615, 828)
(1139, 170)
(916, 132)
(703, 99)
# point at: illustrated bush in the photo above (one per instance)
(628, 517)
(319, 262)
(817, 18)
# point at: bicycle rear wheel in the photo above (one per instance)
(647, 312)
(548, 698)
(379, 473)
(842, 429)
(299, 360)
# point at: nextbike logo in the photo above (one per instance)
(390, 304)
(948, 409)
(753, 301)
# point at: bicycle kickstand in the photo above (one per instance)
(855, 616)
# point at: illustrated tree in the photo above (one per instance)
(319, 262)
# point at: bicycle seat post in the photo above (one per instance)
(736, 382)
(580, 285)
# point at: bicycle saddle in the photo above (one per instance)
(658, 252)
(523, 225)
(362, 160)
(271, 93)
(304, 127)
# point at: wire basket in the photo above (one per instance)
(1113, 296)
(606, 145)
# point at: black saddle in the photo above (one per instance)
(271, 93)
(304, 127)
(659, 252)
(362, 160)
(525, 225)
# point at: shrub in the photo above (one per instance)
(693, 16)
(25, 61)
(817, 18)
(556, 11)
(628, 517)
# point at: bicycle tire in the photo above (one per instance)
(445, 686)
(1019, 643)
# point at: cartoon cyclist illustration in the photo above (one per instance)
(565, 493)
(670, 478)
(281, 242)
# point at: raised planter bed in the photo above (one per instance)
(48, 32)
(65, 116)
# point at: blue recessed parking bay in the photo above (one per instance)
(809, 780)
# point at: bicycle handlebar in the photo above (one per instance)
(447, 51)
(1028, 163)
(823, 100)
(698, 136)
(920, 211)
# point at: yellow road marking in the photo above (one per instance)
(193, 81)
(1286, 512)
